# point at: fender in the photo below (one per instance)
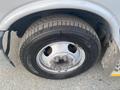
(38, 6)
(43, 5)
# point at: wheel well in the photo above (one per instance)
(100, 25)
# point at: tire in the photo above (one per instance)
(58, 28)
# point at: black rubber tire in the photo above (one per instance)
(59, 28)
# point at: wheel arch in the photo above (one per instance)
(44, 5)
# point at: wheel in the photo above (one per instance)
(59, 47)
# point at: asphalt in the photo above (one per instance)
(19, 78)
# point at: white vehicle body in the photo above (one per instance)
(19, 9)
(11, 11)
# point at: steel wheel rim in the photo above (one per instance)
(60, 57)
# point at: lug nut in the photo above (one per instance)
(56, 59)
(65, 58)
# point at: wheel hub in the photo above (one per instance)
(62, 62)
(60, 57)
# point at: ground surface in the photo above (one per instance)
(20, 79)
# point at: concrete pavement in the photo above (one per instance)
(20, 79)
